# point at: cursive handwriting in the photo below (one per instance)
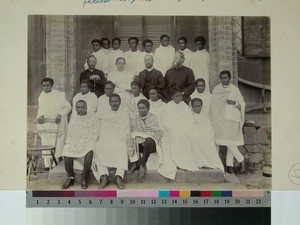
(108, 1)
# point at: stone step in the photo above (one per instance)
(182, 176)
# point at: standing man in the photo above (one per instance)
(179, 78)
(95, 76)
(228, 114)
(150, 77)
(182, 42)
(80, 144)
(53, 104)
(103, 60)
(200, 61)
(115, 53)
(133, 57)
(148, 45)
(96, 46)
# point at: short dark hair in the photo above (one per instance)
(154, 88)
(200, 80)
(116, 39)
(136, 82)
(133, 38)
(81, 101)
(201, 39)
(182, 38)
(120, 58)
(163, 36)
(91, 56)
(174, 91)
(196, 100)
(225, 72)
(104, 39)
(96, 40)
(86, 82)
(114, 95)
(147, 41)
(48, 79)
(145, 102)
(109, 82)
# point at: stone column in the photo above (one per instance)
(61, 53)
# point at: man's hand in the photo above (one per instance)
(95, 77)
(58, 119)
(230, 102)
(40, 119)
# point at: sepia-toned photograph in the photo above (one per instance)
(148, 102)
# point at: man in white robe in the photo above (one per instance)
(204, 95)
(86, 95)
(111, 149)
(178, 121)
(182, 42)
(53, 104)
(115, 53)
(134, 57)
(80, 144)
(103, 100)
(203, 139)
(164, 55)
(200, 61)
(227, 115)
(157, 106)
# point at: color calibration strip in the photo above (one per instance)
(148, 198)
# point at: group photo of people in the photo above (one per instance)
(148, 108)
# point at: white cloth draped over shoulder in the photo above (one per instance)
(111, 149)
(163, 58)
(91, 102)
(227, 120)
(206, 100)
(134, 64)
(103, 62)
(113, 55)
(131, 105)
(200, 65)
(203, 143)
(178, 121)
(187, 57)
(50, 105)
(82, 136)
(122, 80)
(157, 108)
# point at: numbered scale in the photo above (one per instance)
(69, 199)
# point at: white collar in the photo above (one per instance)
(149, 69)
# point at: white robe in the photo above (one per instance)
(122, 80)
(50, 105)
(227, 120)
(134, 64)
(200, 65)
(163, 58)
(206, 99)
(157, 108)
(187, 57)
(103, 62)
(131, 105)
(82, 136)
(113, 55)
(203, 143)
(91, 102)
(178, 121)
(111, 149)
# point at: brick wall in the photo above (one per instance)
(222, 48)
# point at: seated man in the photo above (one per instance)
(203, 139)
(111, 149)
(86, 95)
(147, 134)
(103, 100)
(157, 106)
(81, 140)
(203, 94)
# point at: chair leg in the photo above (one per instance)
(29, 169)
(53, 157)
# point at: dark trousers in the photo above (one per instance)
(69, 162)
(147, 148)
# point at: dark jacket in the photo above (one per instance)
(97, 88)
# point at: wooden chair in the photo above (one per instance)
(38, 150)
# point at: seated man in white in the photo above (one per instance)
(157, 106)
(147, 134)
(115, 53)
(53, 104)
(203, 94)
(111, 149)
(103, 100)
(86, 95)
(80, 144)
(203, 139)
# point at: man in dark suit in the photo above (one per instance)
(95, 76)
(150, 77)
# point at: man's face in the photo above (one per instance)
(181, 44)
(120, 64)
(92, 61)
(153, 95)
(109, 89)
(197, 106)
(225, 79)
(114, 103)
(81, 108)
(143, 110)
(135, 90)
(132, 44)
(200, 86)
(84, 88)
(116, 45)
(199, 45)
(177, 60)
(96, 46)
(47, 87)
(148, 61)
(148, 47)
(177, 97)
(105, 44)
(165, 41)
